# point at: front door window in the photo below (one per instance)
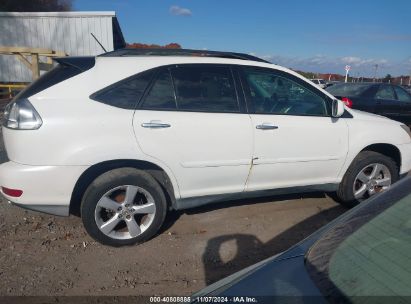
(272, 93)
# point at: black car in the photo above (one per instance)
(407, 87)
(331, 83)
(384, 99)
(363, 256)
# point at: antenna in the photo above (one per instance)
(99, 43)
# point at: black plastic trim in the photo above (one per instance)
(193, 202)
(239, 89)
(83, 63)
(347, 114)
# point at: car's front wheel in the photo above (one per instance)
(369, 174)
(123, 207)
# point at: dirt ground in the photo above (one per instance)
(42, 255)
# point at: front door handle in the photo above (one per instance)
(155, 124)
(266, 126)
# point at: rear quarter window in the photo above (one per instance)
(126, 93)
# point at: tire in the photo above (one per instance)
(345, 191)
(123, 206)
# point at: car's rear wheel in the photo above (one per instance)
(123, 206)
(369, 174)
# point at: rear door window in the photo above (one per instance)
(205, 88)
(194, 88)
(161, 96)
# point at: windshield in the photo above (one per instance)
(369, 254)
(322, 81)
(348, 89)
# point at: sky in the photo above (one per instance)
(309, 35)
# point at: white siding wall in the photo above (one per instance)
(67, 32)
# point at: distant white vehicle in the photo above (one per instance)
(124, 137)
(320, 82)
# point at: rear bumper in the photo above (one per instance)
(405, 151)
(62, 210)
(45, 188)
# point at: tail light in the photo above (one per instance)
(347, 101)
(12, 192)
(21, 115)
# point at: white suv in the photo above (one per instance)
(126, 136)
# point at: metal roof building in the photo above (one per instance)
(69, 32)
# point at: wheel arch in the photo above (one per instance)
(387, 150)
(87, 177)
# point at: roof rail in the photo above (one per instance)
(179, 52)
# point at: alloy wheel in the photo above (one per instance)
(372, 179)
(125, 212)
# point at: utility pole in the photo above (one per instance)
(376, 71)
(347, 69)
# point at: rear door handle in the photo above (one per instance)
(266, 126)
(155, 124)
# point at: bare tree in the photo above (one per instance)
(35, 5)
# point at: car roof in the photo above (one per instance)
(180, 52)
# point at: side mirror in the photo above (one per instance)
(338, 108)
